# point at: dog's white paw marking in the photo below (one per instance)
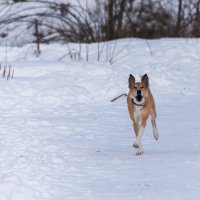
(155, 133)
(135, 145)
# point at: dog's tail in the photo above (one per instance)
(118, 97)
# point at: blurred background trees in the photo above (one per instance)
(48, 21)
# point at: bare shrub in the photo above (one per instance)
(102, 21)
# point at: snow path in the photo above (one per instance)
(61, 138)
(94, 158)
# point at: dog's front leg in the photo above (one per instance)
(139, 150)
(142, 125)
(155, 130)
(138, 133)
(136, 129)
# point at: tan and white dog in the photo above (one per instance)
(141, 104)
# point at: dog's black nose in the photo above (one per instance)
(139, 92)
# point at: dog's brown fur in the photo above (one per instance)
(140, 110)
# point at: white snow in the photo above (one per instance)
(61, 137)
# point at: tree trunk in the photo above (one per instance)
(179, 15)
(110, 28)
(120, 18)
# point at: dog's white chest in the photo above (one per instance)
(137, 113)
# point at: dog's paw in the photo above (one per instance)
(135, 145)
(155, 134)
(156, 137)
(139, 153)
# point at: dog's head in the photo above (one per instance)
(138, 91)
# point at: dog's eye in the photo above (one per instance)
(135, 87)
(142, 87)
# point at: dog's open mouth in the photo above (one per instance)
(139, 98)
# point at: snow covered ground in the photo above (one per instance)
(62, 139)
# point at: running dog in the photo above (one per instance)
(141, 104)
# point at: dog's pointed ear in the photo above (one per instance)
(145, 80)
(131, 81)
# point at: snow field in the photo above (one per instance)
(62, 138)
